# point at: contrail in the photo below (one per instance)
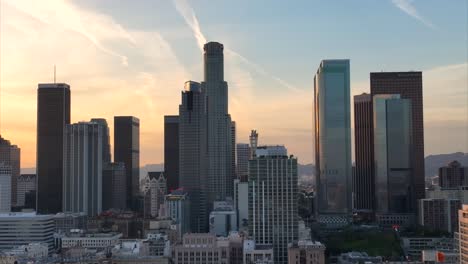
(186, 11)
(408, 8)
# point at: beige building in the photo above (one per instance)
(463, 230)
(204, 248)
(306, 252)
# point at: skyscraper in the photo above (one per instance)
(5, 188)
(127, 150)
(273, 212)
(83, 166)
(10, 156)
(192, 154)
(171, 151)
(218, 125)
(363, 182)
(392, 148)
(106, 150)
(53, 113)
(333, 138)
(114, 186)
(409, 86)
(453, 175)
(243, 155)
(232, 160)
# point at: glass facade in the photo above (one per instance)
(392, 144)
(333, 137)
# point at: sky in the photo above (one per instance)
(132, 58)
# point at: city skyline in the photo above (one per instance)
(121, 60)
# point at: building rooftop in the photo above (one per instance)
(24, 215)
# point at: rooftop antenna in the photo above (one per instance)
(55, 73)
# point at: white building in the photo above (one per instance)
(25, 183)
(257, 254)
(82, 168)
(96, 241)
(32, 250)
(223, 218)
(5, 188)
(17, 229)
(155, 189)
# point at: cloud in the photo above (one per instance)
(407, 7)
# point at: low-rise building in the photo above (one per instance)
(17, 229)
(95, 241)
(64, 222)
(358, 257)
(257, 254)
(413, 246)
(306, 252)
(439, 214)
(158, 245)
(202, 248)
(32, 250)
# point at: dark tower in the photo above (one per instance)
(171, 151)
(53, 113)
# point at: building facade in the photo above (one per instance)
(201, 248)
(439, 214)
(409, 86)
(65, 222)
(393, 158)
(463, 232)
(257, 254)
(10, 155)
(5, 188)
(223, 218)
(333, 137)
(82, 168)
(26, 183)
(17, 229)
(53, 113)
(363, 180)
(306, 252)
(242, 162)
(114, 186)
(171, 151)
(156, 190)
(273, 211)
(219, 127)
(192, 154)
(127, 150)
(241, 203)
(177, 205)
(453, 175)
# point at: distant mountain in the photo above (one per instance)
(434, 162)
(306, 173)
(28, 170)
(150, 167)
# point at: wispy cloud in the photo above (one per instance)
(407, 7)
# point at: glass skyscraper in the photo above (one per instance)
(392, 150)
(333, 137)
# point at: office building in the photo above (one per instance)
(114, 186)
(392, 149)
(223, 218)
(106, 149)
(17, 229)
(219, 127)
(53, 113)
(127, 150)
(192, 154)
(273, 191)
(5, 188)
(177, 205)
(255, 254)
(241, 203)
(95, 241)
(463, 231)
(25, 183)
(453, 175)
(333, 138)
(155, 191)
(82, 172)
(10, 155)
(202, 248)
(439, 214)
(65, 222)
(171, 151)
(306, 252)
(409, 86)
(363, 180)
(242, 163)
(460, 193)
(233, 159)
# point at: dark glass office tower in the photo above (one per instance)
(171, 151)
(363, 180)
(106, 152)
(409, 86)
(53, 113)
(192, 159)
(127, 150)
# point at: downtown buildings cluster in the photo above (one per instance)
(219, 201)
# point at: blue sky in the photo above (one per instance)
(132, 57)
